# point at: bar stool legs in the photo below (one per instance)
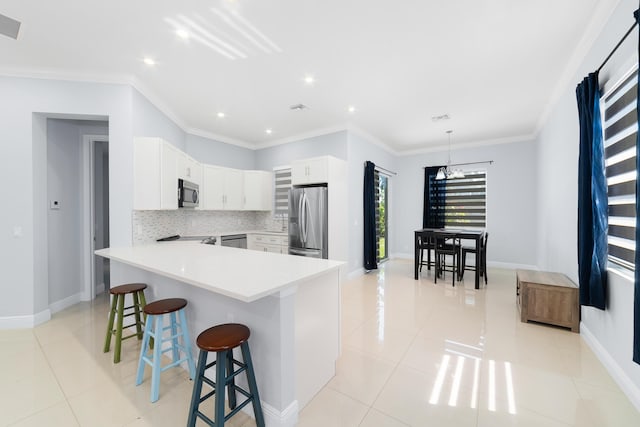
(154, 329)
(117, 307)
(222, 339)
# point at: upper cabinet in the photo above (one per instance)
(189, 169)
(222, 188)
(155, 178)
(158, 165)
(310, 171)
(258, 191)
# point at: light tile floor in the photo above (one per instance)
(414, 353)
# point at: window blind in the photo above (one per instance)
(620, 127)
(282, 185)
(465, 204)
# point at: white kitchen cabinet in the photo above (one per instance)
(155, 178)
(189, 169)
(258, 191)
(222, 188)
(310, 171)
(268, 243)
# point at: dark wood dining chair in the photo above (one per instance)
(464, 250)
(426, 244)
(447, 245)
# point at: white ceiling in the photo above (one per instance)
(493, 66)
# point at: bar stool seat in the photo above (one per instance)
(222, 339)
(117, 307)
(154, 329)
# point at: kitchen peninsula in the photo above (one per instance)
(290, 303)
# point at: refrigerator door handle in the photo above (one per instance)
(303, 214)
(300, 219)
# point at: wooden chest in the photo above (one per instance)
(550, 298)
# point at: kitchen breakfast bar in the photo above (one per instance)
(291, 305)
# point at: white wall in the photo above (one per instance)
(511, 191)
(217, 153)
(611, 331)
(333, 144)
(359, 151)
(24, 104)
(147, 120)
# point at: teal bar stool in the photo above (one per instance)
(222, 339)
(118, 308)
(154, 330)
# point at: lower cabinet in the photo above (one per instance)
(268, 243)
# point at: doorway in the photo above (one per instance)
(96, 234)
(76, 152)
(101, 214)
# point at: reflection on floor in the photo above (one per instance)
(414, 353)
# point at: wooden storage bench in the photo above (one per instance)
(548, 298)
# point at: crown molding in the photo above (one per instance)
(475, 144)
(301, 136)
(371, 139)
(221, 138)
(599, 18)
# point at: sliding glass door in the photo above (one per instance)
(382, 217)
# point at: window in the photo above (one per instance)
(465, 198)
(620, 127)
(382, 219)
(282, 184)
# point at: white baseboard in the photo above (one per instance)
(275, 418)
(65, 303)
(628, 387)
(401, 255)
(511, 265)
(100, 288)
(494, 264)
(355, 273)
(23, 322)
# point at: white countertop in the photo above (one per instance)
(237, 273)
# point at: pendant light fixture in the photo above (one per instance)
(446, 172)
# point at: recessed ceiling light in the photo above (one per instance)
(183, 34)
(269, 131)
(309, 79)
(221, 114)
(351, 109)
(149, 61)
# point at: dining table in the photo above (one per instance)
(468, 234)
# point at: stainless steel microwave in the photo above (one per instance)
(188, 194)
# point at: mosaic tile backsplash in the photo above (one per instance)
(151, 225)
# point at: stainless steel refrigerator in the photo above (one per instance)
(308, 221)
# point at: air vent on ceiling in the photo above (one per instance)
(9, 27)
(298, 107)
(440, 118)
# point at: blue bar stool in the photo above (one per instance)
(222, 339)
(154, 329)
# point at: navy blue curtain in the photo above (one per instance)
(592, 197)
(369, 208)
(434, 199)
(636, 297)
